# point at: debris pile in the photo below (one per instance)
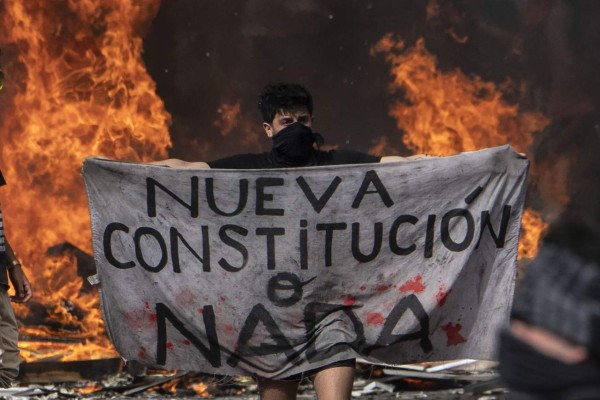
(112, 379)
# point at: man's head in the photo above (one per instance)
(283, 104)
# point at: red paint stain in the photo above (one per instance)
(414, 285)
(222, 298)
(363, 288)
(453, 334)
(139, 319)
(153, 317)
(186, 342)
(142, 352)
(350, 300)
(228, 328)
(200, 310)
(442, 294)
(375, 318)
(185, 298)
(169, 345)
(382, 288)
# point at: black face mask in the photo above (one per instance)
(293, 145)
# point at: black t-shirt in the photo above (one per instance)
(318, 157)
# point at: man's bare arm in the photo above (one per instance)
(23, 290)
(387, 159)
(176, 163)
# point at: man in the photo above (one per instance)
(9, 331)
(287, 112)
(287, 106)
(552, 348)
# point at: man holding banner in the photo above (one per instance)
(287, 112)
(287, 264)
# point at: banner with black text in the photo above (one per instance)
(275, 272)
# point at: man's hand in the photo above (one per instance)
(21, 285)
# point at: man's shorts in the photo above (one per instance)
(308, 374)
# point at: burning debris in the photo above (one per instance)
(104, 379)
(92, 96)
(44, 336)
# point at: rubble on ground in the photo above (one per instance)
(111, 379)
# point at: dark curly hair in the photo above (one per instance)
(283, 97)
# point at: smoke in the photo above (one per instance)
(203, 55)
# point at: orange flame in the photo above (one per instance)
(79, 88)
(92, 388)
(448, 112)
(191, 382)
(532, 229)
(200, 388)
(445, 113)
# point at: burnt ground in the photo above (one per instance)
(109, 379)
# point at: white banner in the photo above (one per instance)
(275, 272)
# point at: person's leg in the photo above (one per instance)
(9, 335)
(277, 390)
(334, 383)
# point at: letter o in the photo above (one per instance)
(445, 229)
(144, 231)
(280, 285)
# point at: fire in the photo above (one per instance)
(171, 386)
(445, 113)
(231, 122)
(190, 382)
(532, 229)
(449, 112)
(228, 118)
(200, 388)
(75, 86)
(92, 388)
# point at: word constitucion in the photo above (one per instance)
(402, 234)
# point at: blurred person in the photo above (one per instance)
(551, 349)
(10, 268)
(287, 113)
